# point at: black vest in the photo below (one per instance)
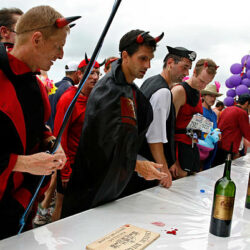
(148, 88)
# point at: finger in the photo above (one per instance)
(176, 172)
(58, 156)
(173, 173)
(160, 175)
(166, 182)
(156, 165)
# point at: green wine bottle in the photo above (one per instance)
(223, 203)
(247, 205)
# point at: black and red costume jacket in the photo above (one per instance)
(24, 108)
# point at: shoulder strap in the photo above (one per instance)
(4, 62)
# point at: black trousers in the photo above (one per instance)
(220, 157)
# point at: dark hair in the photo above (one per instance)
(175, 57)
(243, 99)
(219, 104)
(6, 17)
(129, 44)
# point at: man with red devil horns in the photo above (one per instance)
(24, 109)
(116, 120)
(71, 135)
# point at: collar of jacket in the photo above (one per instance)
(65, 78)
(118, 75)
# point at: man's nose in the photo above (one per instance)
(61, 53)
(147, 64)
(186, 72)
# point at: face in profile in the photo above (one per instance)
(91, 81)
(51, 49)
(179, 70)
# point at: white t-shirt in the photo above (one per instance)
(161, 102)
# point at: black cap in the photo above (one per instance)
(244, 98)
(182, 52)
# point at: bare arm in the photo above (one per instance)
(179, 97)
(159, 157)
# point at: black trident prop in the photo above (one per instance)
(71, 107)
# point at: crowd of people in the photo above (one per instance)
(120, 139)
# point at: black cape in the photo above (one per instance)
(116, 120)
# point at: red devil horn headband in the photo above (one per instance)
(61, 22)
(206, 65)
(158, 38)
(101, 64)
(86, 58)
(140, 37)
(72, 25)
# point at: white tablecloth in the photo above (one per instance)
(184, 207)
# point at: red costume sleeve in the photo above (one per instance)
(244, 126)
(61, 109)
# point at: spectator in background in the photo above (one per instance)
(219, 106)
(8, 19)
(234, 124)
(108, 63)
(72, 78)
(209, 95)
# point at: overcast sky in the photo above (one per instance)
(216, 29)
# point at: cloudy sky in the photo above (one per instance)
(216, 29)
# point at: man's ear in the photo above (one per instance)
(170, 61)
(4, 32)
(125, 56)
(37, 39)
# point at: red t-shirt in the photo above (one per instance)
(72, 133)
(234, 124)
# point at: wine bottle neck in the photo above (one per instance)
(227, 169)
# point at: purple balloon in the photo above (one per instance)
(228, 84)
(248, 62)
(229, 101)
(231, 93)
(243, 59)
(246, 82)
(248, 74)
(236, 68)
(235, 80)
(242, 89)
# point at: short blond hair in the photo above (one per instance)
(41, 18)
(209, 64)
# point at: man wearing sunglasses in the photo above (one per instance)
(8, 19)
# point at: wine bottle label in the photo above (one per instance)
(248, 190)
(223, 208)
